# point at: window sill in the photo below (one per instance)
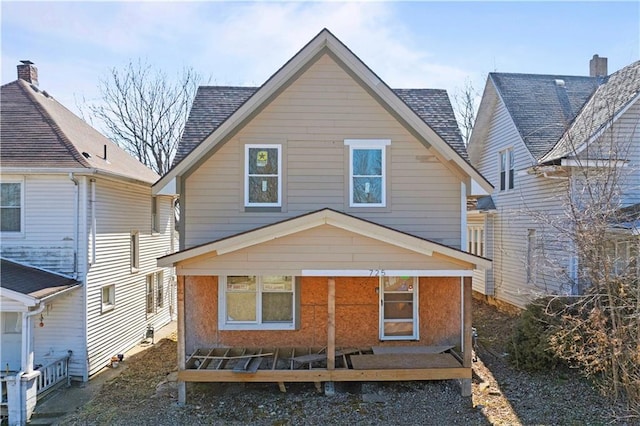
(135, 270)
(257, 209)
(107, 308)
(257, 327)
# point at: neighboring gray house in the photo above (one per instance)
(80, 234)
(533, 138)
(323, 210)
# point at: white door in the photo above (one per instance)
(398, 308)
(11, 341)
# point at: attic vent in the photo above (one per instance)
(86, 154)
(46, 94)
(559, 82)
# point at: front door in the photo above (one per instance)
(398, 308)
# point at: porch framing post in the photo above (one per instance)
(465, 384)
(182, 386)
(331, 323)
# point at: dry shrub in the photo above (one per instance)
(600, 334)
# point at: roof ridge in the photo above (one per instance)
(62, 137)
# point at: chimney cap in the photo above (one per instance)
(26, 62)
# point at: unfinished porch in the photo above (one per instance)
(314, 364)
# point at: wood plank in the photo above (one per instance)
(404, 361)
(331, 323)
(251, 366)
(323, 375)
(382, 350)
(303, 359)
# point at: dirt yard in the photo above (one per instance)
(145, 394)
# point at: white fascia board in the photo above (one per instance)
(477, 189)
(593, 163)
(25, 299)
(387, 272)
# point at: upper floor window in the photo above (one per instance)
(257, 302)
(263, 176)
(367, 172)
(506, 161)
(154, 215)
(134, 244)
(11, 207)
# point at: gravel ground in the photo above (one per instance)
(145, 394)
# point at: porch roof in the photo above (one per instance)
(33, 282)
(319, 218)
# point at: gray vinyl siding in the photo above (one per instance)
(311, 119)
(531, 204)
(47, 238)
(120, 209)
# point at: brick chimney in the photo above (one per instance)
(28, 72)
(598, 67)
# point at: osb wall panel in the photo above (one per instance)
(201, 311)
(440, 311)
(357, 310)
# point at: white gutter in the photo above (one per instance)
(78, 171)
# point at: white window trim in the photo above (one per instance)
(368, 144)
(155, 216)
(107, 307)
(246, 175)
(222, 310)
(19, 233)
(416, 316)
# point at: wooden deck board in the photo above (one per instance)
(403, 361)
(382, 350)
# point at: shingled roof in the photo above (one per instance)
(214, 104)
(33, 282)
(614, 95)
(543, 106)
(36, 131)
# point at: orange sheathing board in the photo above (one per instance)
(201, 311)
(440, 311)
(356, 315)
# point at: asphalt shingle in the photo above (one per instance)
(31, 281)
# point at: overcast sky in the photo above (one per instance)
(408, 44)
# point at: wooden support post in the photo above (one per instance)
(331, 324)
(182, 386)
(465, 384)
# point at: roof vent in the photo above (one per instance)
(86, 154)
(559, 82)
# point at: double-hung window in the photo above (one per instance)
(257, 302)
(367, 172)
(506, 161)
(11, 202)
(263, 175)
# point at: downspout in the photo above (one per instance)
(76, 224)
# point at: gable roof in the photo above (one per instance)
(542, 106)
(34, 282)
(317, 218)
(324, 42)
(212, 105)
(618, 91)
(37, 132)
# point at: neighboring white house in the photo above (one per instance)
(533, 136)
(80, 233)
